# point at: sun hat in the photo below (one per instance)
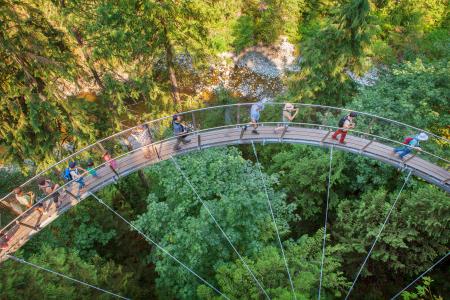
(288, 106)
(422, 136)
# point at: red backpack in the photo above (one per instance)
(408, 140)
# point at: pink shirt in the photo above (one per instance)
(113, 163)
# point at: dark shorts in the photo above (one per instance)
(55, 197)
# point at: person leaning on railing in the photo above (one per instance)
(289, 114)
(409, 144)
(27, 199)
(180, 131)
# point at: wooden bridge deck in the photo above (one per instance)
(19, 234)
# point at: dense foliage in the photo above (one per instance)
(71, 72)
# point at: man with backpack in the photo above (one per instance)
(180, 131)
(345, 124)
(74, 174)
(409, 144)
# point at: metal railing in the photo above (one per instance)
(388, 132)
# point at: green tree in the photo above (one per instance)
(410, 241)
(264, 22)
(303, 257)
(20, 281)
(416, 93)
(231, 188)
(405, 23)
(140, 33)
(303, 173)
(328, 54)
(423, 291)
(36, 116)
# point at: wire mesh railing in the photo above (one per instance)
(145, 136)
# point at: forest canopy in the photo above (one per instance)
(75, 72)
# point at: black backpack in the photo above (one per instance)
(342, 121)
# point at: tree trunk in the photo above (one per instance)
(87, 58)
(143, 179)
(171, 68)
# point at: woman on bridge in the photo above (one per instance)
(27, 199)
(287, 116)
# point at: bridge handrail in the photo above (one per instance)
(336, 109)
(196, 132)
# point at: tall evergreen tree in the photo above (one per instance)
(150, 34)
(331, 52)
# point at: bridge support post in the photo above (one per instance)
(365, 147)
(157, 153)
(238, 116)
(325, 137)
(242, 133)
(284, 132)
(193, 121)
(409, 158)
(100, 146)
(71, 194)
(199, 142)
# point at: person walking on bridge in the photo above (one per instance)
(112, 163)
(409, 144)
(345, 124)
(91, 169)
(180, 130)
(76, 175)
(255, 115)
(4, 241)
(289, 114)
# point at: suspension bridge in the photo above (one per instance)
(374, 137)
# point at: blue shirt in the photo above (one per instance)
(177, 128)
(414, 142)
(255, 109)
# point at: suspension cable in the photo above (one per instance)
(378, 235)
(158, 246)
(20, 260)
(273, 219)
(220, 227)
(325, 223)
(421, 275)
